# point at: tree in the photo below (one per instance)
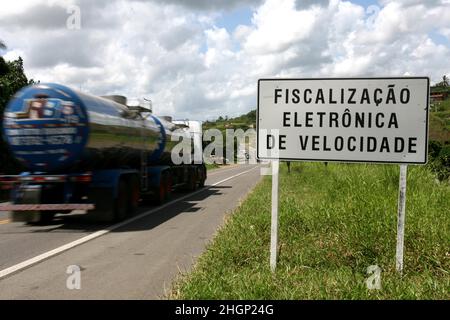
(12, 78)
(10, 82)
(3, 65)
(445, 81)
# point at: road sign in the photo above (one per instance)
(344, 119)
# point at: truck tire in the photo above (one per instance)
(134, 188)
(49, 195)
(191, 184)
(168, 180)
(161, 191)
(46, 217)
(202, 180)
(104, 207)
(122, 201)
(36, 218)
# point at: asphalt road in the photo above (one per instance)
(138, 259)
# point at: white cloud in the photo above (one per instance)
(445, 32)
(176, 54)
(279, 25)
(13, 55)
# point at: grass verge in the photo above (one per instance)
(335, 222)
(210, 166)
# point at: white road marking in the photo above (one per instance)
(213, 172)
(70, 245)
(220, 170)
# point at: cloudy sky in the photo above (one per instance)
(199, 59)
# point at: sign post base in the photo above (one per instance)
(401, 218)
(274, 223)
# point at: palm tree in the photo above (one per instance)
(3, 65)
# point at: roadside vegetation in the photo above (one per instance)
(335, 222)
(12, 78)
(243, 122)
(439, 132)
(210, 166)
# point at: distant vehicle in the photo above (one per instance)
(90, 153)
(219, 160)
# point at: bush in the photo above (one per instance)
(12, 78)
(439, 159)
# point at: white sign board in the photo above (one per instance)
(344, 119)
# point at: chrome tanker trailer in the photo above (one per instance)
(84, 152)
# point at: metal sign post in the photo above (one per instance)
(401, 218)
(274, 223)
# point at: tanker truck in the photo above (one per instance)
(97, 154)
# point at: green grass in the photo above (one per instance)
(335, 221)
(439, 128)
(210, 166)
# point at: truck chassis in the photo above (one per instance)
(107, 195)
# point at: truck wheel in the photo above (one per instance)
(134, 195)
(46, 217)
(168, 180)
(121, 202)
(195, 179)
(38, 218)
(201, 183)
(192, 183)
(160, 192)
(104, 207)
